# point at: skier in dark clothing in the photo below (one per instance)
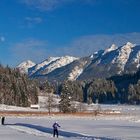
(55, 129)
(2, 120)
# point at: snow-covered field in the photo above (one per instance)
(107, 127)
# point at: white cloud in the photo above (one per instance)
(45, 5)
(86, 45)
(32, 21)
(48, 5)
(37, 50)
(29, 49)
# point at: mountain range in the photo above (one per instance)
(102, 64)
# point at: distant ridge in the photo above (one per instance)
(104, 63)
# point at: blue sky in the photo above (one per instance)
(37, 29)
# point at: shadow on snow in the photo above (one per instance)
(61, 132)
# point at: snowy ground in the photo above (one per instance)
(120, 127)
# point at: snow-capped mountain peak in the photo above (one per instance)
(129, 44)
(24, 66)
(91, 56)
(124, 53)
(50, 64)
(44, 63)
(62, 61)
(112, 48)
(104, 63)
(127, 47)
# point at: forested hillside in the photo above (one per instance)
(117, 89)
(128, 86)
(16, 88)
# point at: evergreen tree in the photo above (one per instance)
(65, 104)
(16, 88)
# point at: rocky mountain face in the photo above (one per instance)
(104, 63)
(112, 61)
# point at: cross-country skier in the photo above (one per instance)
(55, 129)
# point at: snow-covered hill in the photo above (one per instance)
(114, 60)
(41, 65)
(104, 63)
(50, 65)
(124, 53)
(24, 66)
(112, 48)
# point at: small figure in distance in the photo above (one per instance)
(2, 120)
(55, 129)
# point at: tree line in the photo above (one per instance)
(16, 88)
(128, 86)
(124, 89)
